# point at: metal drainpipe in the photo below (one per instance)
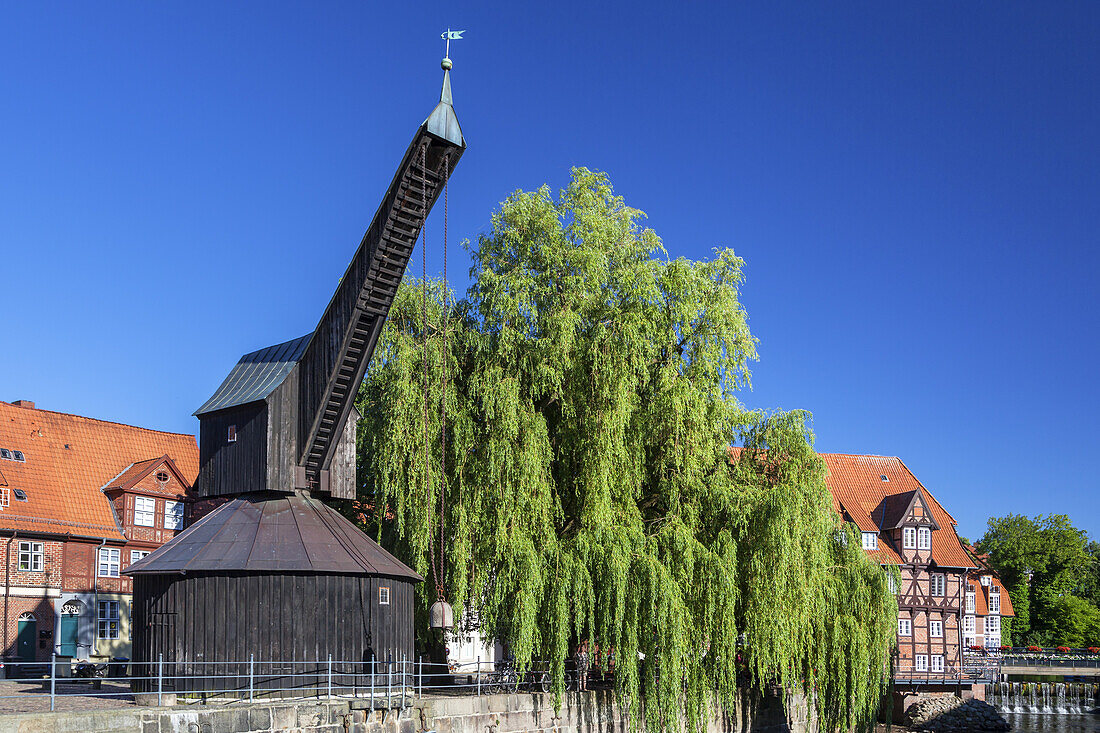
(95, 591)
(7, 586)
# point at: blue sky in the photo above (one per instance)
(914, 188)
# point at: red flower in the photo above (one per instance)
(1063, 649)
(1094, 650)
(1034, 649)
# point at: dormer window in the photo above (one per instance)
(985, 580)
(924, 538)
(884, 478)
(870, 541)
(5, 454)
(909, 538)
(17, 455)
(232, 434)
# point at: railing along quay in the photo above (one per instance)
(379, 685)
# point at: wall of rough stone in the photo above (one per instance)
(592, 712)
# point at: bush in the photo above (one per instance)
(1005, 648)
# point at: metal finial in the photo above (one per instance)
(449, 36)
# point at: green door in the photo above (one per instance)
(67, 635)
(26, 640)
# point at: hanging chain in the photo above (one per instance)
(443, 409)
(436, 571)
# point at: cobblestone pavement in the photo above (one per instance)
(33, 696)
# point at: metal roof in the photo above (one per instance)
(256, 375)
(269, 533)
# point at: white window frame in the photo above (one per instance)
(173, 514)
(935, 629)
(108, 620)
(995, 603)
(33, 555)
(109, 559)
(970, 603)
(136, 555)
(909, 538)
(920, 663)
(870, 541)
(970, 624)
(924, 538)
(383, 595)
(937, 662)
(231, 434)
(986, 580)
(905, 627)
(969, 641)
(993, 641)
(938, 585)
(145, 511)
(892, 583)
(993, 625)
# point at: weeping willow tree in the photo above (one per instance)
(587, 483)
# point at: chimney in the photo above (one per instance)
(25, 404)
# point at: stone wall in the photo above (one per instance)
(592, 712)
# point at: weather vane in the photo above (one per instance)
(449, 36)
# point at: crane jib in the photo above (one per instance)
(334, 362)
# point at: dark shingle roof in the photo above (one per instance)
(256, 375)
(266, 533)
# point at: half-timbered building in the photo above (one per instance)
(902, 525)
(985, 607)
(80, 501)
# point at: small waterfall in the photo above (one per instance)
(1043, 697)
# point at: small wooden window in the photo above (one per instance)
(232, 435)
(162, 477)
(384, 595)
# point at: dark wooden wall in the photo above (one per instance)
(233, 468)
(282, 440)
(279, 618)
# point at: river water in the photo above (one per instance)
(1053, 723)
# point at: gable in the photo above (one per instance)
(68, 459)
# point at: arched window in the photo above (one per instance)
(72, 608)
(27, 616)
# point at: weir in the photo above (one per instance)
(1044, 697)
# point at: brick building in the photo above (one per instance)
(985, 607)
(81, 499)
(902, 525)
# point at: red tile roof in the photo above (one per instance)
(981, 592)
(859, 492)
(69, 459)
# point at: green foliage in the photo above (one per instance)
(1042, 562)
(589, 489)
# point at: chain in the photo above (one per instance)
(424, 326)
(443, 410)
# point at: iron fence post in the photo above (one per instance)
(329, 676)
(477, 673)
(389, 681)
(420, 677)
(160, 678)
(251, 677)
(53, 680)
(404, 677)
(372, 661)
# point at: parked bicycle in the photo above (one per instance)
(505, 678)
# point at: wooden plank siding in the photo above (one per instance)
(207, 625)
(237, 467)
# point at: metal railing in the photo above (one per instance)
(383, 684)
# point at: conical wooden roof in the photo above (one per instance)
(274, 534)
